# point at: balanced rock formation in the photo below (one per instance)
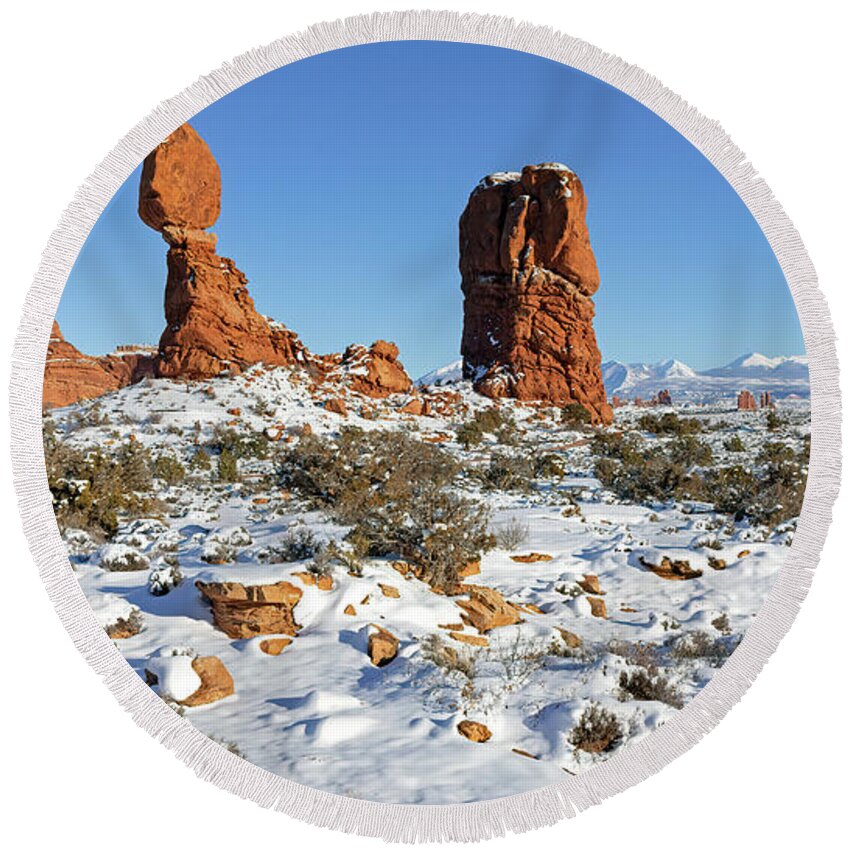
(245, 611)
(528, 276)
(212, 326)
(71, 376)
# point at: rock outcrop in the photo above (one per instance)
(487, 609)
(474, 731)
(382, 646)
(212, 326)
(245, 611)
(216, 682)
(746, 400)
(375, 371)
(71, 376)
(528, 276)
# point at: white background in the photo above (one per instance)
(76, 77)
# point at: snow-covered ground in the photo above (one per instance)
(320, 713)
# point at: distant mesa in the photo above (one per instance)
(528, 275)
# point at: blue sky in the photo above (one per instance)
(344, 176)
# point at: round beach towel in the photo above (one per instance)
(426, 425)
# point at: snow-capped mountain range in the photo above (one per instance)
(782, 376)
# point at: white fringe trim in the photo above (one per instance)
(410, 823)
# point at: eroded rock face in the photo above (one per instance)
(212, 326)
(245, 611)
(71, 376)
(528, 276)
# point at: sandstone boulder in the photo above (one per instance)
(672, 570)
(571, 639)
(487, 609)
(274, 646)
(528, 275)
(245, 611)
(590, 584)
(531, 558)
(216, 682)
(472, 640)
(383, 646)
(473, 731)
(189, 681)
(597, 607)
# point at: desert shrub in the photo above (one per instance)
(669, 424)
(393, 490)
(575, 415)
(519, 659)
(449, 659)
(93, 489)
(734, 444)
(228, 467)
(91, 416)
(640, 653)
(134, 462)
(163, 578)
(512, 534)
(638, 472)
(597, 730)
(218, 552)
(721, 623)
(548, 465)
(200, 460)
(689, 451)
(701, 645)
(648, 685)
(241, 445)
(125, 627)
(508, 472)
(773, 421)
(120, 558)
(491, 420)
(295, 544)
(168, 469)
(769, 495)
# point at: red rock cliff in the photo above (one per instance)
(71, 376)
(528, 274)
